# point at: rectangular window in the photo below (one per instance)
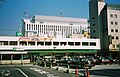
(55, 43)
(111, 22)
(93, 17)
(84, 43)
(117, 38)
(116, 23)
(3, 42)
(92, 43)
(111, 15)
(48, 43)
(93, 24)
(40, 43)
(115, 15)
(71, 43)
(112, 30)
(27, 27)
(117, 46)
(112, 37)
(23, 43)
(63, 43)
(13, 42)
(77, 43)
(31, 43)
(94, 31)
(116, 30)
(34, 27)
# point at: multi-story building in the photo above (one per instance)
(105, 24)
(54, 26)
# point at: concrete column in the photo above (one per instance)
(22, 59)
(8, 42)
(1, 59)
(36, 43)
(11, 58)
(27, 43)
(18, 43)
(68, 69)
(31, 57)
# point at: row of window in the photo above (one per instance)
(41, 27)
(115, 46)
(117, 38)
(24, 43)
(114, 23)
(112, 30)
(113, 16)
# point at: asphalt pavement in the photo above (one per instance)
(33, 71)
(39, 71)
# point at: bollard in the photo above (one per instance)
(68, 69)
(76, 71)
(87, 73)
(44, 64)
(57, 66)
(50, 64)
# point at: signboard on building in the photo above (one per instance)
(32, 34)
(18, 34)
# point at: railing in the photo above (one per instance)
(27, 61)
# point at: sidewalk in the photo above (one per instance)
(66, 70)
(60, 73)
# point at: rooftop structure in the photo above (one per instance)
(54, 26)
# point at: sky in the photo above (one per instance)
(12, 11)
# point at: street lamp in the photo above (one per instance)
(119, 50)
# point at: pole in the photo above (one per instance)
(11, 58)
(22, 59)
(68, 69)
(1, 58)
(119, 51)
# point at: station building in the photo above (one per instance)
(26, 49)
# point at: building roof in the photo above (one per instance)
(113, 6)
(58, 18)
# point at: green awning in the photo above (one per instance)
(63, 51)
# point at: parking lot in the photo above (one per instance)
(75, 62)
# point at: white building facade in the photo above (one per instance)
(53, 26)
(113, 16)
(105, 24)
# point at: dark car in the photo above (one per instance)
(103, 60)
(5, 74)
(81, 63)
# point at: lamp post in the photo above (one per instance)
(119, 54)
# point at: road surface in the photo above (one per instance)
(33, 71)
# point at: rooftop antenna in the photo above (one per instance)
(101, 1)
(19, 29)
(61, 14)
(28, 16)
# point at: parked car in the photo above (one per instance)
(81, 63)
(117, 61)
(103, 60)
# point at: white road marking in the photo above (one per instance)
(44, 72)
(22, 72)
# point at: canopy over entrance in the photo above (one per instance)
(9, 52)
